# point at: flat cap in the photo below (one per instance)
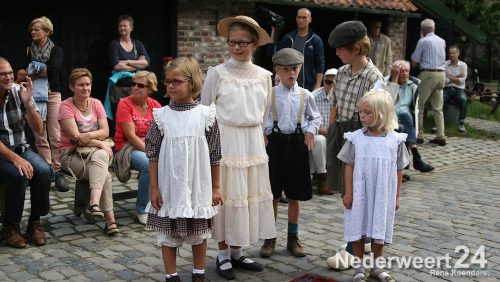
(288, 57)
(346, 33)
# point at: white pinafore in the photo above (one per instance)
(374, 186)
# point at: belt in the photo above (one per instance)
(432, 70)
(453, 87)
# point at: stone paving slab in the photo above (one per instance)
(457, 204)
(483, 124)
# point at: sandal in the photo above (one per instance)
(111, 230)
(358, 277)
(95, 210)
(381, 275)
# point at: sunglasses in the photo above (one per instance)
(140, 85)
(328, 81)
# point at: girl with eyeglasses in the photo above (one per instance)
(241, 92)
(183, 148)
(133, 117)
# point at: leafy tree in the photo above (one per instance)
(484, 13)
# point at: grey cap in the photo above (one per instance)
(288, 57)
(346, 33)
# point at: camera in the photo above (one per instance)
(273, 19)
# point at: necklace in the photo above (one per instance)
(86, 107)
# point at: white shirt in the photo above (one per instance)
(288, 106)
(459, 70)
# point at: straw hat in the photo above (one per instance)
(224, 24)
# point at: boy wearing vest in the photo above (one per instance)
(292, 122)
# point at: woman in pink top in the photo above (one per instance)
(84, 123)
(133, 116)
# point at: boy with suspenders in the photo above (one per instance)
(289, 132)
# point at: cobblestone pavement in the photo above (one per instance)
(483, 124)
(457, 204)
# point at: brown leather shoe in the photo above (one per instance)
(323, 185)
(35, 233)
(267, 249)
(293, 245)
(438, 141)
(12, 236)
(198, 277)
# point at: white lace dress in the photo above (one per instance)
(374, 186)
(241, 94)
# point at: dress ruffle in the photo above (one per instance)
(210, 118)
(244, 162)
(249, 201)
(182, 212)
(157, 112)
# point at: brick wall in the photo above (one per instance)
(197, 29)
(197, 35)
(397, 33)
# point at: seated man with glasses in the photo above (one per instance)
(19, 165)
(317, 157)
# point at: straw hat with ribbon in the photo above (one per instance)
(224, 24)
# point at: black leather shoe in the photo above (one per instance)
(61, 184)
(421, 166)
(253, 266)
(227, 274)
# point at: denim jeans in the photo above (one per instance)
(407, 125)
(16, 187)
(140, 162)
(457, 94)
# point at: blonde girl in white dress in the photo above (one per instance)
(183, 148)
(241, 93)
(375, 156)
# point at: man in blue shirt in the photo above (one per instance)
(429, 56)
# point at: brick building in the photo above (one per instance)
(197, 35)
(188, 28)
